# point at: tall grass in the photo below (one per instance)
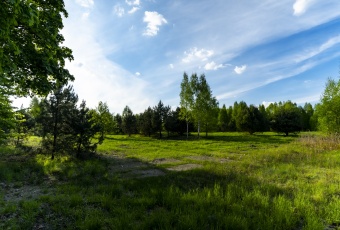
(245, 182)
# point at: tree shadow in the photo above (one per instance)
(112, 192)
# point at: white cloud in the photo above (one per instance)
(133, 3)
(85, 3)
(133, 10)
(118, 10)
(171, 66)
(154, 21)
(196, 54)
(213, 66)
(85, 15)
(98, 78)
(267, 103)
(240, 69)
(137, 73)
(300, 6)
(310, 99)
(328, 44)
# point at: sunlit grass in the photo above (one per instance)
(263, 181)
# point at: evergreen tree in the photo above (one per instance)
(145, 122)
(223, 119)
(128, 121)
(56, 117)
(118, 123)
(159, 113)
(85, 129)
(7, 118)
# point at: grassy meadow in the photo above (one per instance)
(224, 181)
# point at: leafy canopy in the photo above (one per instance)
(32, 58)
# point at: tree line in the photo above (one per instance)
(32, 63)
(66, 126)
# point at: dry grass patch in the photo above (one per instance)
(185, 167)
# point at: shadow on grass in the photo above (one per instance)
(101, 194)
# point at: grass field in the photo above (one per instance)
(225, 181)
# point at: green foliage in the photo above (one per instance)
(223, 119)
(85, 128)
(328, 111)
(128, 121)
(7, 117)
(198, 103)
(285, 118)
(32, 58)
(56, 117)
(67, 128)
(103, 119)
(186, 101)
(145, 122)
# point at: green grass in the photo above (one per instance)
(263, 181)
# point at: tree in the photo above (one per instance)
(223, 119)
(286, 118)
(85, 129)
(118, 123)
(7, 118)
(65, 127)
(128, 121)
(104, 119)
(56, 117)
(32, 58)
(145, 122)
(24, 122)
(159, 114)
(264, 126)
(328, 110)
(186, 101)
(203, 106)
(241, 116)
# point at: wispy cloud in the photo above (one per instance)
(240, 69)
(315, 51)
(85, 3)
(300, 6)
(195, 54)
(133, 10)
(154, 20)
(97, 77)
(133, 3)
(118, 10)
(213, 66)
(171, 66)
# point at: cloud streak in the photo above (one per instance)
(85, 3)
(213, 66)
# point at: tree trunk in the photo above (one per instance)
(198, 129)
(187, 129)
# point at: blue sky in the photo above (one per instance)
(134, 52)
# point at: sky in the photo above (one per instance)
(134, 52)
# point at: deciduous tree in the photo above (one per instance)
(32, 58)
